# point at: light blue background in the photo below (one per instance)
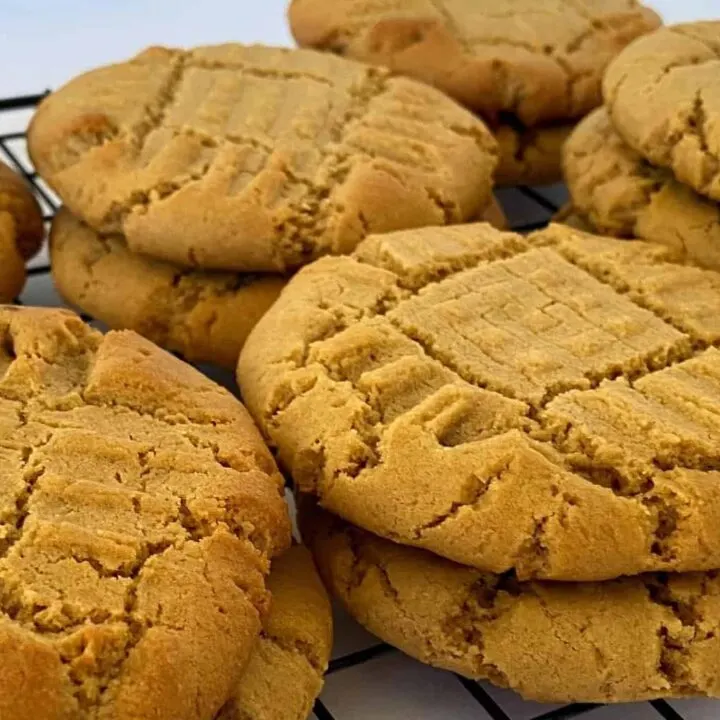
(44, 43)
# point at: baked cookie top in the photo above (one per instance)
(138, 509)
(544, 404)
(286, 669)
(539, 61)
(622, 194)
(621, 640)
(203, 315)
(662, 94)
(257, 158)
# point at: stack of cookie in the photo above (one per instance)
(647, 164)
(518, 439)
(140, 513)
(196, 181)
(529, 68)
(21, 232)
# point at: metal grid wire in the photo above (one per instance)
(530, 209)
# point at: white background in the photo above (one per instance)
(43, 44)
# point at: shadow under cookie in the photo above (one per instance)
(512, 403)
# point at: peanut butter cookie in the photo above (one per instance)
(622, 640)
(257, 158)
(623, 195)
(21, 232)
(662, 95)
(205, 316)
(540, 61)
(545, 404)
(138, 510)
(286, 669)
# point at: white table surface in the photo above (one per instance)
(44, 43)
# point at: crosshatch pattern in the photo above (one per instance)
(368, 678)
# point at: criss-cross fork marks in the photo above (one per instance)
(295, 140)
(510, 358)
(529, 328)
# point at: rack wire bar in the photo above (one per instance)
(479, 692)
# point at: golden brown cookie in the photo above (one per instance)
(286, 669)
(21, 231)
(623, 195)
(530, 156)
(662, 95)
(138, 509)
(205, 316)
(621, 640)
(257, 158)
(543, 404)
(540, 61)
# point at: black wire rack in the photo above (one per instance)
(527, 209)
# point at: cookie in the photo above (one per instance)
(542, 404)
(205, 316)
(253, 158)
(538, 61)
(286, 669)
(138, 509)
(623, 195)
(530, 156)
(661, 95)
(622, 640)
(21, 232)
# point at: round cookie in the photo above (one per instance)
(540, 404)
(253, 158)
(623, 195)
(139, 509)
(286, 669)
(538, 61)
(21, 232)
(662, 95)
(530, 156)
(622, 640)
(205, 316)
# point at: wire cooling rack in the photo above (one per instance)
(369, 679)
